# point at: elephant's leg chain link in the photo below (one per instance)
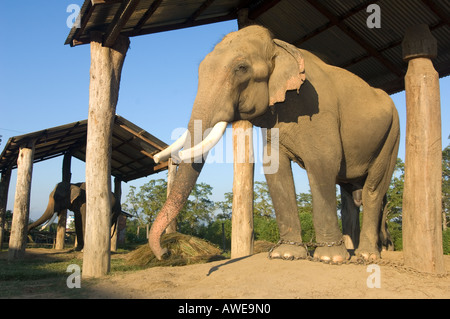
(305, 245)
(359, 260)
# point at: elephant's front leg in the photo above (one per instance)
(323, 191)
(282, 192)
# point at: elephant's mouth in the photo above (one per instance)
(194, 152)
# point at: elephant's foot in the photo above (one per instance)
(368, 253)
(78, 248)
(289, 252)
(332, 254)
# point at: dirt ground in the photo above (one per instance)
(258, 277)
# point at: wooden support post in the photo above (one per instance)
(105, 73)
(242, 208)
(4, 188)
(422, 227)
(171, 173)
(118, 205)
(21, 212)
(62, 217)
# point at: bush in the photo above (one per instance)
(266, 228)
(213, 233)
(446, 241)
(307, 225)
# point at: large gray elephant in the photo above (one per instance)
(72, 197)
(330, 122)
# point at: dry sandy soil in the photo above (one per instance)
(258, 277)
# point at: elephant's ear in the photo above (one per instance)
(288, 71)
(75, 191)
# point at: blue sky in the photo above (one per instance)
(44, 83)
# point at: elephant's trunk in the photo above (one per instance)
(49, 211)
(185, 179)
(184, 182)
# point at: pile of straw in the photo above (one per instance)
(183, 250)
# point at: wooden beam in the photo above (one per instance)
(105, 74)
(155, 5)
(96, 2)
(18, 238)
(126, 128)
(243, 178)
(199, 11)
(437, 10)
(62, 217)
(422, 195)
(120, 20)
(242, 207)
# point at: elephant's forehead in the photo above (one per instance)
(245, 39)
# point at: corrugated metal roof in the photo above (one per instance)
(132, 147)
(334, 29)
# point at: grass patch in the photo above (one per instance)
(43, 272)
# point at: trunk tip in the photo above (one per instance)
(160, 253)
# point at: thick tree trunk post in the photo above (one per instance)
(4, 188)
(21, 212)
(172, 172)
(106, 68)
(422, 226)
(115, 228)
(62, 218)
(242, 211)
(242, 207)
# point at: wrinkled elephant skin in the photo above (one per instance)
(330, 122)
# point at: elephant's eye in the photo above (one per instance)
(242, 69)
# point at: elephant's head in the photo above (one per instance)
(245, 74)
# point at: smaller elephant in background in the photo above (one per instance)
(72, 197)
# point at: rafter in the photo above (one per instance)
(151, 10)
(331, 24)
(120, 20)
(352, 34)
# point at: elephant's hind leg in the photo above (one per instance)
(350, 214)
(374, 190)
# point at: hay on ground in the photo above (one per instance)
(183, 250)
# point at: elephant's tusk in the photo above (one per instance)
(48, 223)
(175, 147)
(207, 144)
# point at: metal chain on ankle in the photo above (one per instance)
(358, 260)
(305, 245)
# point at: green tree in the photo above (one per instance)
(304, 203)
(147, 202)
(262, 205)
(225, 207)
(197, 211)
(395, 193)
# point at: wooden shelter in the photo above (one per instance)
(362, 36)
(132, 149)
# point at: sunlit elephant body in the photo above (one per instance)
(329, 121)
(72, 197)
